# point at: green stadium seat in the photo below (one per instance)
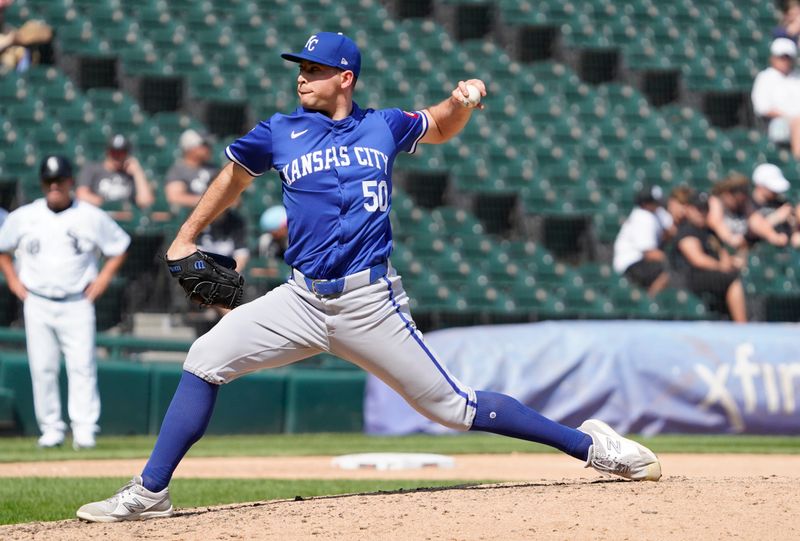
(26, 115)
(51, 139)
(633, 303)
(173, 123)
(509, 276)
(597, 275)
(432, 295)
(142, 60)
(79, 37)
(12, 89)
(682, 304)
(18, 159)
(108, 98)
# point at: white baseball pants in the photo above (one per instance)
(370, 326)
(53, 327)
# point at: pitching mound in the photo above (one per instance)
(733, 497)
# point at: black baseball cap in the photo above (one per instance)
(649, 194)
(119, 142)
(55, 168)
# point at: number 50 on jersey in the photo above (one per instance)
(377, 195)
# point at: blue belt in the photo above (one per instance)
(335, 286)
(65, 298)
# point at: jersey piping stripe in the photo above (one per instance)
(232, 158)
(419, 341)
(413, 148)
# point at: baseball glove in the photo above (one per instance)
(209, 279)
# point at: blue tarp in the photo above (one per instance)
(640, 376)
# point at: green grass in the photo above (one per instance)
(26, 499)
(24, 449)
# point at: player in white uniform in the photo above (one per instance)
(55, 241)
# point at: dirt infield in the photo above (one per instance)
(700, 497)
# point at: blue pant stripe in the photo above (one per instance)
(419, 341)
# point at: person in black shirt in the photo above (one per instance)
(707, 268)
(779, 217)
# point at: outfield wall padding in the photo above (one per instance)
(6, 409)
(324, 401)
(135, 397)
(253, 404)
(123, 397)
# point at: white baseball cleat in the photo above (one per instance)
(79, 444)
(83, 439)
(50, 439)
(131, 502)
(611, 453)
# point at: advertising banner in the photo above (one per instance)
(639, 376)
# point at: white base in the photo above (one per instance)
(392, 461)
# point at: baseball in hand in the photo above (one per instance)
(474, 97)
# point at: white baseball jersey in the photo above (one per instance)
(56, 252)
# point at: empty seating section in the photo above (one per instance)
(565, 146)
(717, 44)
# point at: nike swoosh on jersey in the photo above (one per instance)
(295, 134)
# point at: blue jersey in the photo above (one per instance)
(337, 182)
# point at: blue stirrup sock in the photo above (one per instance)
(500, 414)
(184, 423)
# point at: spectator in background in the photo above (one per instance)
(227, 235)
(637, 249)
(272, 243)
(678, 198)
(189, 177)
(780, 218)
(730, 208)
(119, 178)
(704, 264)
(776, 95)
(187, 181)
(274, 239)
(789, 26)
(15, 52)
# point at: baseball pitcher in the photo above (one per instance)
(335, 163)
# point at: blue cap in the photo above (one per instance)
(329, 49)
(273, 219)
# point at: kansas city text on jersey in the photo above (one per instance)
(323, 160)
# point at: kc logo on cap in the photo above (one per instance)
(311, 43)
